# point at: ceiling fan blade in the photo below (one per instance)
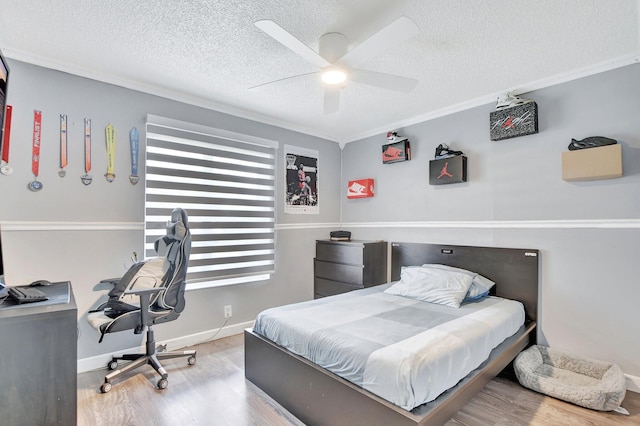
(396, 32)
(281, 35)
(284, 80)
(331, 100)
(384, 81)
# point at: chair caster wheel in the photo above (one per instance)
(106, 387)
(112, 365)
(191, 360)
(163, 383)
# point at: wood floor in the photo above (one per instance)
(215, 392)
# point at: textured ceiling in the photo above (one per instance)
(209, 52)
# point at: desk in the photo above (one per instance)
(38, 359)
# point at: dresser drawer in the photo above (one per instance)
(324, 287)
(351, 274)
(340, 253)
(342, 266)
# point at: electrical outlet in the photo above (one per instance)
(227, 311)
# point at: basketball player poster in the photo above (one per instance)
(301, 168)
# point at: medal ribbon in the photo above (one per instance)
(134, 142)
(63, 141)
(7, 134)
(110, 135)
(87, 145)
(37, 127)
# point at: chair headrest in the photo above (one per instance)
(176, 231)
(178, 226)
(180, 215)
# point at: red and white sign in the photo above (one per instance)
(361, 188)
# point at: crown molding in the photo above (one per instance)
(273, 121)
(516, 90)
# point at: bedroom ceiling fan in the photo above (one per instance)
(337, 64)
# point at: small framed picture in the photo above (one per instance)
(396, 151)
(448, 170)
(516, 121)
(361, 188)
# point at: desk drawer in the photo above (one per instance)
(351, 274)
(324, 287)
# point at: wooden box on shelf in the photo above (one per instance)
(603, 162)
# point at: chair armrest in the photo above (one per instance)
(142, 291)
(145, 297)
(106, 284)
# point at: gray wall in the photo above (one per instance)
(588, 232)
(514, 197)
(69, 231)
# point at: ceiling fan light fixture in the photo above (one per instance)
(334, 76)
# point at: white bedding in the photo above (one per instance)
(403, 350)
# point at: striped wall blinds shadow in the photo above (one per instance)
(226, 183)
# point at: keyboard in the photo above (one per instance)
(26, 294)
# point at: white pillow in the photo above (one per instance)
(480, 285)
(432, 285)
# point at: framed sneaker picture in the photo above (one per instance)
(301, 178)
(396, 151)
(448, 170)
(513, 117)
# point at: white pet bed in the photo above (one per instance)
(582, 381)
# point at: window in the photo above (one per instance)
(226, 183)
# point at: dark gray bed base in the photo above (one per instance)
(318, 397)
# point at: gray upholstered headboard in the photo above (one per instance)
(515, 271)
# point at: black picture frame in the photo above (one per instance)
(512, 122)
(396, 151)
(448, 170)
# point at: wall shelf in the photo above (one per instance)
(604, 162)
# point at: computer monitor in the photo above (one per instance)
(4, 83)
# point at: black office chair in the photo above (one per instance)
(151, 292)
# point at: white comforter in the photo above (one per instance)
(403, 350)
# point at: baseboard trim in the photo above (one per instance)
(633, 383)
(99, 362)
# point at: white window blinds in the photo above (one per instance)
(226, 183)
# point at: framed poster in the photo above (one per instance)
(301, 180)
(516, 121)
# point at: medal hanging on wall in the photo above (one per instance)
(86, 177)
(110, 136)
(134, 143)
(63, 145)
(35, 151)
(5, 168)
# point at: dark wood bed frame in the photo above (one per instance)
(318, 397)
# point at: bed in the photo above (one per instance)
(317, 396)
